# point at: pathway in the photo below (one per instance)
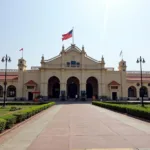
(78, 126)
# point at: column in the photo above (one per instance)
(63, 91)
(99, 90)
(83, 87)
(45, 90)
(148, 93)
(138, 93)
(42, 89)
(103, 90)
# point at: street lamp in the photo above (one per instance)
(5, 59)
(141, 60)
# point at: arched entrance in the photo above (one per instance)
(143, 91)
(53, 87)
(11, 91)
(131, 91)
(1, 91)
(91, 87)
(72, 87)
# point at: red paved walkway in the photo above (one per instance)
(77, 126)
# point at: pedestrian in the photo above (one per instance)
(76, 96)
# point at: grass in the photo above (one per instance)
(6, 110)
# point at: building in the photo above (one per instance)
(73, 72)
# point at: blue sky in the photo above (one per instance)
(104, 27)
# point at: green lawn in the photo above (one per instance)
(6, 110)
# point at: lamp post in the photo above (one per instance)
(141, 60)
(5, 59)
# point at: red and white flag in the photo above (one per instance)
(21, 49)
(67, 35)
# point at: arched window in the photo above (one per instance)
(1, 91)
(143, 91)
(11, 91)
(131, 91)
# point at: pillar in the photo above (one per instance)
(99, 90)
(138, 92)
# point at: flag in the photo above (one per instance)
(121, 53)
(67, 35)
(21, 49)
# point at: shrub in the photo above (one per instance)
(26, 113)
(2, 125)
(10, 120)
(134, 110)
(13, 108)
(7, 121)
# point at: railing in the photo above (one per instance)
(35, 67)
(32, 70)
(110, 69)
(138, 72)
(9, 70)
(59, 66)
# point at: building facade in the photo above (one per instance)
(72, 73)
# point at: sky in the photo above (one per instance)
(104, 27)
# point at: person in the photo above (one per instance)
(76, 96)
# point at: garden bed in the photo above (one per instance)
(11, 115)
(130, 109)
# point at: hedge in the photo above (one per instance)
(24, 103)
(134, 110)
(27, 113)
(7, 121)
(10, 120)
(2, 125)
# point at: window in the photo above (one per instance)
(73, 64)
(11, 91)
(114, 87)
(30, 87)
(68, 64)
(78, 64)
(1, 91)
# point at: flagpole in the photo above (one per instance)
(22, 54)
(122, 54)
(73, 35)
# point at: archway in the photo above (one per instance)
(11, 91)
(143, 91)
(53, 87)
(92, 87)
(131, 91)
(1, 91)
(72, 87)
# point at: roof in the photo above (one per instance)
(31, 82)
(114, 83)
(9, 77)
